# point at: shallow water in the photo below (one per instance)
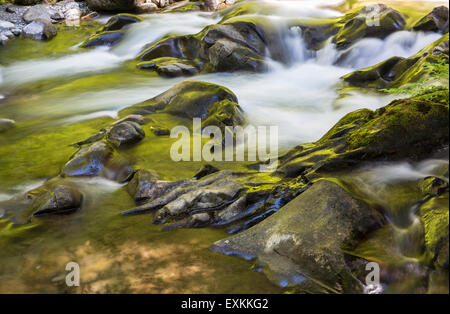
(59, 93)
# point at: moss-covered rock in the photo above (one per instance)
(411, 129)
(98, 159)
(397, 71)
(370, 21)
(236, 44)
(301, 243)
(170, 67)
(55, 197)
(190, 99)
(112, 32)
(435, 21)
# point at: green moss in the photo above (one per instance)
(42, 153)
(435, 217)
(404, 116)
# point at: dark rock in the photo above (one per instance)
(201, 98)
(377, 21)
(98, 159)
(59, 199)
(120, 21)
(306, 238)
(204, 171)
(6, 124)
(226, 55)
(160, 131)
(108, 39)
(112, 5)
(397, 71)
(181, 199)
(411, 129)
(435, 21)
(237, 44)
(170, 67)
(145, 185)
(125, 133)
(27, 2)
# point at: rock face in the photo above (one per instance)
(405, 129)
(398, 71)
(303, 241)
(435, 21)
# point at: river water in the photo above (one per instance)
(58, 92)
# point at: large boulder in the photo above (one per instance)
(376, 20)
(302, 243)
(213, 103)
(435, 21)
(233, 45)
(411, 129)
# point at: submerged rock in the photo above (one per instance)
(6, 124)
(145, 185)
(111, 33)
(112, 5)
(98, 159)
(302, 243)
(58, 199)
(55, 197)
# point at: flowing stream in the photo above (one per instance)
(58, 91)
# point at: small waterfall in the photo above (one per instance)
(384, 183)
